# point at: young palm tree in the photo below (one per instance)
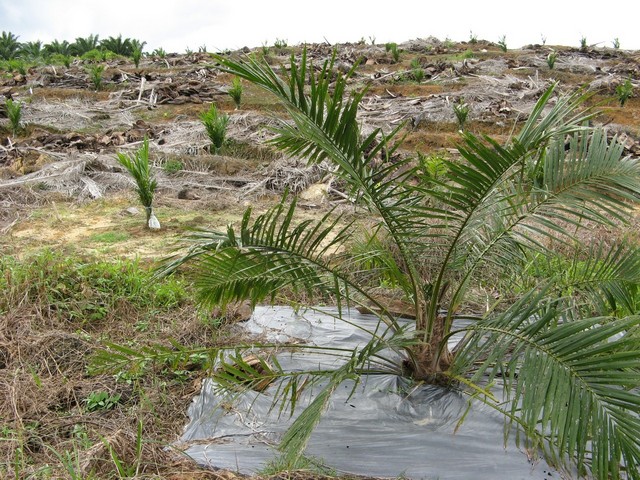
(571, 368)
(138, 167)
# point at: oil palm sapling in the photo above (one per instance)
(137, 164)
(571, 370)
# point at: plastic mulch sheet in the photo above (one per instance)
(386, 428)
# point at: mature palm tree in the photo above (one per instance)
(31, 50)
(83, 45)
(9, 45)
(570, 363)
(57, 47)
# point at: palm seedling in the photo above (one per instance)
(14, 113)
(138, 167)
(583, 45)
(502, 43)
(235, 92)
(95, 75)
(215, 123)
(416, 70)
(136, 55)
(624, 91)
(569, 367)
(461, 111)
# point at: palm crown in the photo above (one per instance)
(570, 367)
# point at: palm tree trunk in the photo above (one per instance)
(432, 358)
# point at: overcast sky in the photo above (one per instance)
(176, 25)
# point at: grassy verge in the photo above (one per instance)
(60, 420)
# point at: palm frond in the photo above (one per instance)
(575, 383)
(270, 253)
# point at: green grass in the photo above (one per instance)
(109, 237)
(84, 289)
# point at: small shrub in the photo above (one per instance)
(616, 43)
(215, 124)
(94, 56)
(624, 92)
(14, 113)
(473, 38)
(235, 92)
(502, 43)
(461, 111)
(138, 166)
(60, 59)
(95, 75)
(551, 59)
(172, 166)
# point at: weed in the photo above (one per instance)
(624, 92)
(551, 59)
(473, 38)
(305, 462)
(616, 43)
(461, 111)
(127, 470)
(265, 49)
(138, 166)
(14, 113)
(95, 75)
(372, 39)
(101, 401)
(448, 43)
(502, 43)
(74, 288)
(543, 38)
(172, 166)
(235, 92)
(202, 49)
(215, 124)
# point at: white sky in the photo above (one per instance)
(178, 24)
